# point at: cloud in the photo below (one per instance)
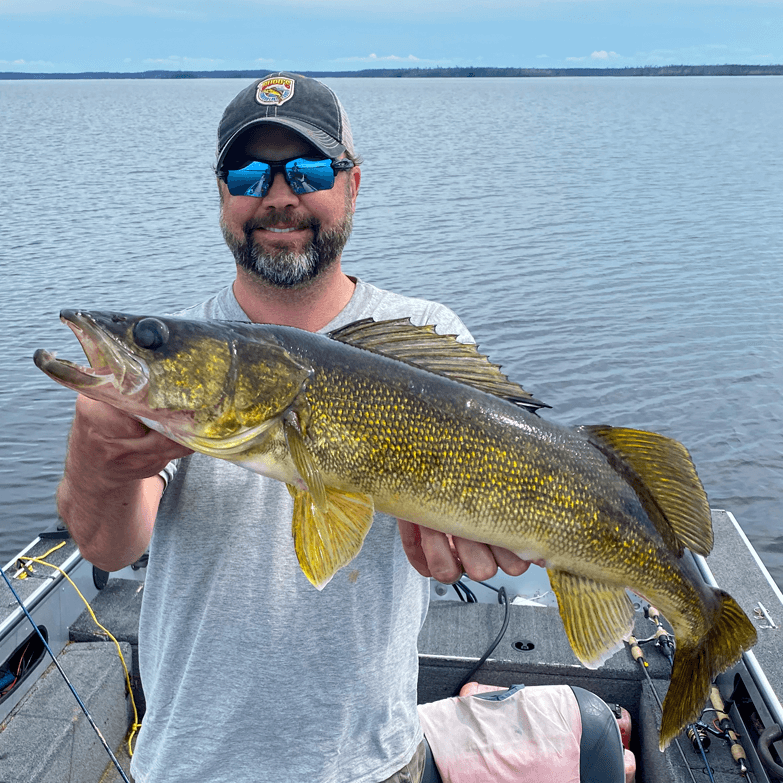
(705, 54)
(600, 56)
(26, 63)
(373, 58)
(175, 59)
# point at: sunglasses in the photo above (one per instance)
(303, 175)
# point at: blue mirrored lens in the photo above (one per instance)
(302, 175)
(307, 176)
(252, 180)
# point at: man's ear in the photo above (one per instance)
(356, 177)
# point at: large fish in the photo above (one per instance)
(397, 418)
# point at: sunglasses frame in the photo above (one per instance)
(337, 164)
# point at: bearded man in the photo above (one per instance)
(250, 673)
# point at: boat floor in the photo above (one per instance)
(533, 651)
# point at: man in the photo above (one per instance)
(250, 674)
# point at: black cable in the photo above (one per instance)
(487, 585)
(502, 599)
(469, 596)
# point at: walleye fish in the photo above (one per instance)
(392, 417)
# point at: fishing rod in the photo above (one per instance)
(638, 656)
(65, 677)
(722, 718)
(697, 732)
(665, 644)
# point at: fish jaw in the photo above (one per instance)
(114, 375)
(199, 383)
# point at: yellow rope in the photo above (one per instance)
(136, 725)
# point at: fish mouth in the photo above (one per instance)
(113, 370)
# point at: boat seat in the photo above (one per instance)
(601, 746)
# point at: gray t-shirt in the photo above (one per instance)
(250, 673)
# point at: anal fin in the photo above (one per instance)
(597, 617)
(328, 537)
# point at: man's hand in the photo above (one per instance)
(447, 558)
(111, 489)
(117, 448)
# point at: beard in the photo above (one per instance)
(288, 268)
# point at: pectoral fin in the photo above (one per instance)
(326, 539)
(597, 617)
(305, 466)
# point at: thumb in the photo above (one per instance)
(107, 419)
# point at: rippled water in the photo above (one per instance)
(615, 243)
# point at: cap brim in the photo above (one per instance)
(319, 139)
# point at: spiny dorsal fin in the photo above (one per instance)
(423, 347)
(663, 475)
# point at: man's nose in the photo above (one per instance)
(280, 194)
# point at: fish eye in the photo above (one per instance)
(150, 333)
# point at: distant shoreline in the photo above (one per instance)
(412, 73)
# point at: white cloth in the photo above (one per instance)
(529, 735)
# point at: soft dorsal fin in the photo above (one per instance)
(423, 347)
(664, 477)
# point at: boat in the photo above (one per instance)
(44, 735)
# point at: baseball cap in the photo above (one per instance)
(305, 105)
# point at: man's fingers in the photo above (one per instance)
(509, 562)
(411, 544)
(477, 559)
(107, 420)
(429, 552)
(442, 561)
(116, 445)
(447, 558)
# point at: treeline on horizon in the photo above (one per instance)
(413, 73)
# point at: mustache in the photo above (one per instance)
(289, 219)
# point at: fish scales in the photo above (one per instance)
(393, 417)
(467, 454)
(400, 443)
(476, 458)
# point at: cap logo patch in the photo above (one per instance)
(275, 91)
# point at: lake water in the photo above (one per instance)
(615, 243)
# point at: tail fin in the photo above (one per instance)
(697, 663)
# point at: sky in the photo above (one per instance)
(71, 36)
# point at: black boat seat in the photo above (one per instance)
(601, 746)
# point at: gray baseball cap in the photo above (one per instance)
(305, 105)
